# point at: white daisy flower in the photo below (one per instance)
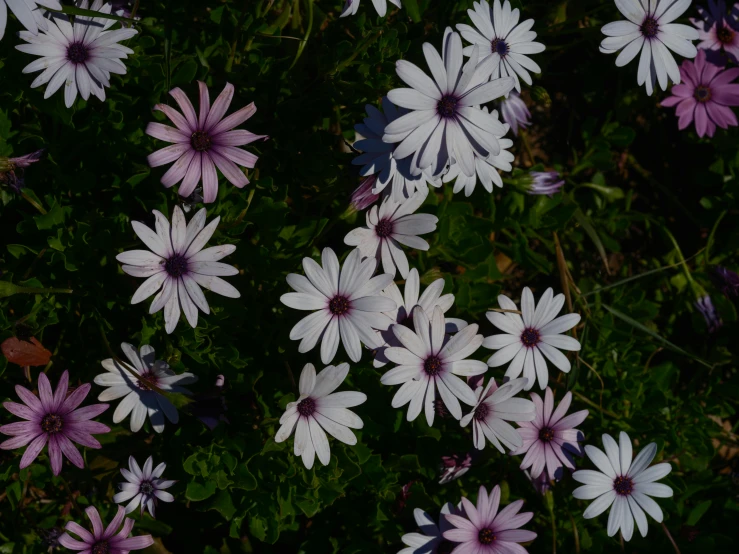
(179, 266)
(393, 177)
(429, 360)
(143, 486)
(139, 383)
(30, 13)
(624, 484)
(528, 338)
(500, 37)
(651, 31)
(431, 539)
(389, 226)
(80, 55)
(318, 410)
(346, 304)
(495, 405)
(351, 6)
(445, 119)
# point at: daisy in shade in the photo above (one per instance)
(203, 141)
(79, 56)
(143, 486)
(445, 120)
(345, 301)
(705, 97)
(501, 38)
(550, 439)
(54, 418)
(178, 266)
(484, 530)
(29, 13)
(623, 485)
(351, 6)
(104, 540)
(430, 360)
(494, 407)
(139, 384)
(527, 338)
(515, 112)
(320, 410)
(652, 32)
(390, 226)
(431, 539)
(717, 32)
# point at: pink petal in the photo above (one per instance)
(515, 535)
(166, 133)
(720, 115)
(135, 543)
(45, 394)
(168, 154)
(229, 169)
(68, 542)
(728, 95)
(219, 108)
(61, 391)
(17, 428)
(29, 399)
(175, 117)
(176, 173)
(186, 106)
(210, 179)
(22, 411)
(115, 523)
(238, 156)
(97, 523)
(234, 120)
(701, 119)
(236, 138)
(725, 77)
(55, 454)
(204, 104)
(88, 412)
(75, 399)
(192, 177)
(80, 437)
(17, 442)
(71, 453)
(80, 531)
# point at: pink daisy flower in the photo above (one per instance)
(202, 142)
(716, 31)
(104, 540)
(485, 531)
(550, 440)
(53, 419)
(705, 96)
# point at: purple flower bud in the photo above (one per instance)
(515, 112)
(542, 483)
(453, 467)
(8, 166)
(726, 280)
(708, 310)
(363, 197)
(545, 182)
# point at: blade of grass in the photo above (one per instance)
(583, 220)
(72, 10)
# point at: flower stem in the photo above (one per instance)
(135, 9)
(33, 203)
(525, 140)
(39, 290)
(669, 536)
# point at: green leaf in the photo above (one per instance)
(198, 492)
(697, 512)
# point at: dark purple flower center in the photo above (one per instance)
(176, 266)
(77, 53)
(51, 423)
(623, 485)
(432, 366)
(147, 381)
(499, 46)
(445, 547)
(546, 434)
(146, 488)
(702, 93)
(339, 305)
(725, 35)
(530, 337)
(447, 106)
(486, 536)
(384, 228)
(306, 407)
(101, 548)
(200, 141)
(481, 412)
(649, 27)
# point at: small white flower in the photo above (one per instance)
(30, 13)
(651, 31)
(143, 486)
(623, 485)
(138, 382)
(500, 36)
(528, 338)
(179, 266)
(351, 6)
(389, 226)
(496, 405)
(318, 410)
(445, 120)
(346, 303)
(429, 360)
(431, 540)
(79, 56)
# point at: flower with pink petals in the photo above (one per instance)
(716, 31)
(202, 142)
(705, 96)
(485, 531)
(104, 541)
(551, 438)
(53, 418)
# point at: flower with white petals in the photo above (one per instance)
(351, 6)
(528, 338)
(623, 485)
(345, 301)
(143, 486)
(445, 120)
(389, 226)
(494, 407)
(79, 56)
(430, 541)
(320, 410)
(430, 360)
(501, 38)
(30, 13)
(179, 266)
(139, 384)
(651, 31)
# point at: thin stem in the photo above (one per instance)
(575, 533)
(308, 29)
(71, 497)
(39, 290)
(235, 42)
(525, 140)
(343, 65)
(594, 405)
(621, 540)
(33, 203)
(712, 236)
(503, 310)
(669, 536)
(135, 9)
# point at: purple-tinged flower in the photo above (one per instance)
(431, 540)
(104, 540)
(515, 112)
(708, 311)
(30, 13)
(202, 142)
(53, 418)
(8, 167)
(714, 13)
(716, 31)
(363, 197)
(545, 182)
(726, 280)
(705, 96)
(143, 486)
(485, 531)
(550, 440)
(542, 483)
(454, 466)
